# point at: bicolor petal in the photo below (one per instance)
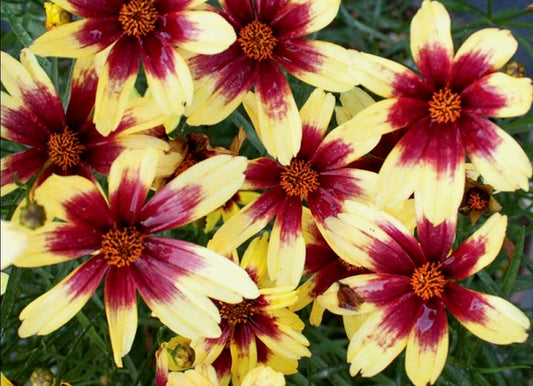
(427, 345)
(121, 311)
(488, 317)
(24, 164)
(431, 42)
(495, 154)
(199, 190)
(52, 310)
(315, 115)
(302, 18)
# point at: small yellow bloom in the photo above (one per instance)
(55, 16)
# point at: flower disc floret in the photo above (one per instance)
(122, 246)
(428, 281)
(65, 149)
(257, 40)
(299, 178)
(477, 199)
(238, 313)
(138, 17)
(445, 106)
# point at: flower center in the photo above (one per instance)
(138, 17)
(122, 246)
(477, 199)
(445, 106)
(428, 281)
(299, 178)
(64, 149)
(257, 40)
(237, 313)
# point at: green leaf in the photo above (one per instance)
(512, 271)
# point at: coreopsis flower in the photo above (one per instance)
(258, 331)
(412, 285)
(317, 174)
(134, 31)
(478, 200)
(55, 16)
(174, 277)
(444, 110)
(63, 142)
(270, 40)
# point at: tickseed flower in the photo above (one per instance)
(444, 111)
(174, 277)
(478, 200)
(64, 142)
(270, 38)
(134, 31)
(55, 16)
(258, 331)
(317, 174)
(412, 285)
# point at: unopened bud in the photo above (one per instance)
(32, 215)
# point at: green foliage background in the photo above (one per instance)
(80, 353)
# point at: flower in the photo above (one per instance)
(444, 111)
(131, 31)
(478, 200)
(55, 15)
(174, 277)
(270, 39)
(317, 174)
(412, 285)
(258, 331)
(63, 142)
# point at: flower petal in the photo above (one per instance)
(77, 39)
(495, 154)
(481, 53)
(82, 91)
(427, 345)
(121, 311)
(199, 190)
(382, 336)
(431, 42)
(130, 179)
(167, 74)
(498, 95)
(315, 115)
(201, 32)
(488, 317)
(275, 114)
(52, 310)
(115, 85)
(94, 8)
(435, 240)
(442, 174)
(26, 164)
(296, 19)
(250, 220)
(479, 250)
(286, 251)
(364, 236)
(321, 64)
(262, 173)
(29, 83)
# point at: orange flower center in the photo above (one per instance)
(122, 246)
(350, 267)
(299, 178)
(445, 106)
(64, 149)
(428, 281)
(187, 162)
(477, 199)
(257, 40)
(138, 17)
(237, 313)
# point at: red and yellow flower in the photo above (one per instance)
(443, 110)
(270, 40)
(412, 285)
(64, 142)
(175, 278)
(135, 31)
(317, 174)
(258, 331)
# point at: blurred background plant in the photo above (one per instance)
(79, 353)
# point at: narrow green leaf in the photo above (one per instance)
(512, 272)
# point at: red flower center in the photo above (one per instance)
(257, 40)
(122, 246)
(445, 106)
(477, 199)
(428, 281)
(237, 313)
(138, 17)
(64, 149)
(299, 178)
